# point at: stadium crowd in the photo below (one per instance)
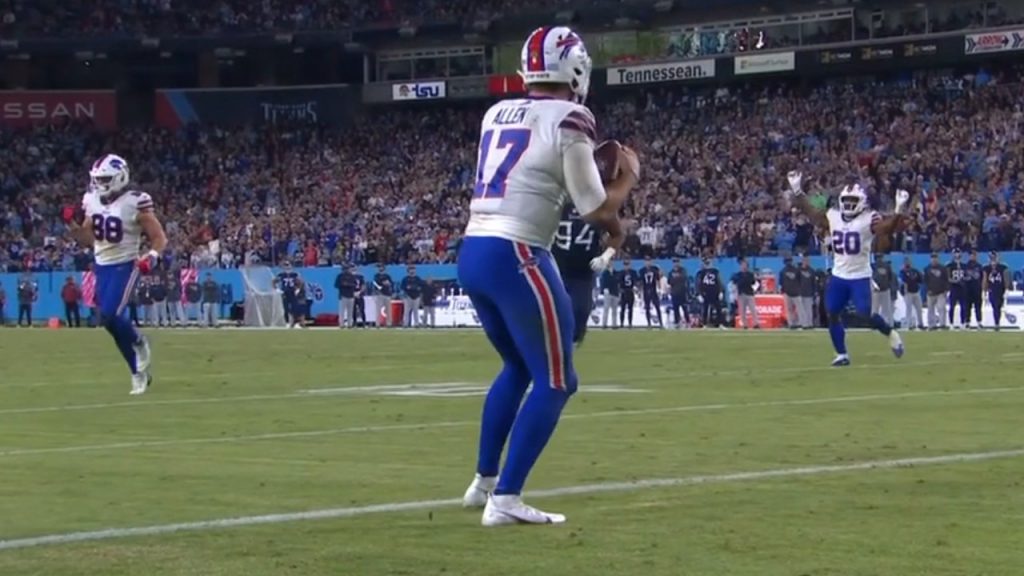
(43, 18)
(714, 163)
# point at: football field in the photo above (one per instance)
(310, 453)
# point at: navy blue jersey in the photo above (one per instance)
(360, 283)
(957, 275)
(995, 277)
(628, 280)
(288, 283)
(972, 276)
(650, 276)
(576, 244)
(709, 280)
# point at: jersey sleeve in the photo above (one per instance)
(143, 201)
(579, 122)
(582, 180)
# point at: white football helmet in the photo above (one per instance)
(852, 201)
(109, 174)
(557, 55)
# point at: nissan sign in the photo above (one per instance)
(24, 108)
(418, 91)
(667, 72)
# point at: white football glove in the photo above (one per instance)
(902, 197)
(796, 179)
(602, 262)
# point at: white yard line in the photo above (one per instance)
(139, 403)
(463, 423)
(416, 505)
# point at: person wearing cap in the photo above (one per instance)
(359, 297)
(973, 289)
(345, 284)
(609, 282)
(995, 280)
(746, 286)
(936, 282)
(789, 284)
(881, 280)
(957, 292)
(383, 289)
(709, 288)
(910, 286)
(412, 294)
(808, 288)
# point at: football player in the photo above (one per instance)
(996, 279)
(577, 252)
(650, 280)
(535, 154)
(115, 220)
(852, 227)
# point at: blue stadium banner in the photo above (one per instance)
(326, 104)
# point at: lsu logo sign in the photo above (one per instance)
(418, 91)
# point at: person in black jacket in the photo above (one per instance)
(709, 286)
(629, 281)
(429, 301)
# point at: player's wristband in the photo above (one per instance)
(608, 253)
(152, 254)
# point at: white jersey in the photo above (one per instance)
(520, 180)
(851, 243)
(116, 225)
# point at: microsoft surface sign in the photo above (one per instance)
(764, 63)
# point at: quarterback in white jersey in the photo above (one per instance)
(852, 229)
(535, 154)
(115, 221)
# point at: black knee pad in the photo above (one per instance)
(835, 319)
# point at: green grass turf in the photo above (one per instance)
(211, 440)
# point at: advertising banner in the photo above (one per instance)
(765, 63)
(664, 72)
(505, 84)
(771, 311)
(328, 104)
(879, 54)
(989, 42)
(418, 91)
(28, 107)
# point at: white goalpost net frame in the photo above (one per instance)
(264, 307)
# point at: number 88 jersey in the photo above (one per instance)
(115, 224)
(520, 186)
(851, 243)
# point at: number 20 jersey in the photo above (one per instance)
(851, 244)
(116, 225)
(520, 183)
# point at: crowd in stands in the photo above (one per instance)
(395, 186)
(26, 18)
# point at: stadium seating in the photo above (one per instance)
(714, 163)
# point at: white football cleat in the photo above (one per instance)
(143, 355)
(896, 343)
(477, 493)
(505, 510)
(140, 383)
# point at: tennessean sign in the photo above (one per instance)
(665, 72)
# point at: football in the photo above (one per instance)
(607, 157)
